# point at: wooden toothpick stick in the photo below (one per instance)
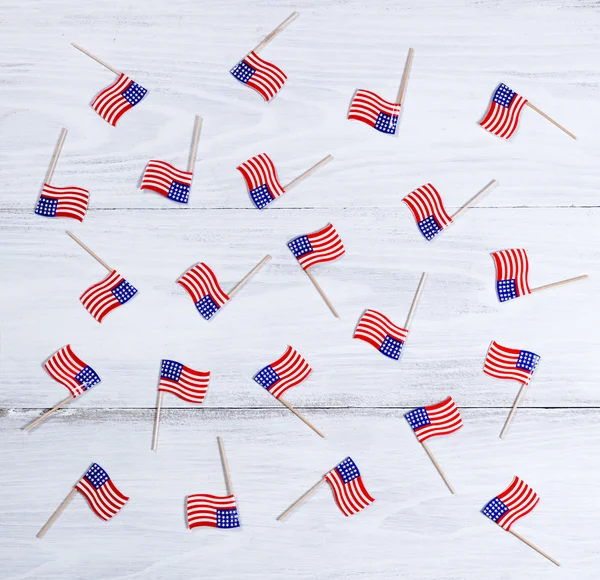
(249, 275)
(96, 58)
(59, 510)
(225, 467)
(308, 172)
(53, 161)
(512, 411)
(531, 545)
(551, 120)
(405, 76)
(275, 32)
(415, 301)
(194, 147)
(472, 201)
(438, 467)
(157, 420)
(301, 499)
(320, 291)
(301, 417)
(560, 283)
(47, 414)
(90, 251)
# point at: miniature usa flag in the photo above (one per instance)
(379, 331)
(69, 202)
(263, 76)
(215, 511)
(114, 101)
(65, 367)
(164, 178)
(105, 296)
(183, 382)
(504, 113)
(428, 209)
(434, 420)
(322, 246)
(516, 501)
(371, 109)
(202, 285)
(101, 493)
(512, 274)
(348, 488)
(283, 374)
(510, 363)
(261, 178)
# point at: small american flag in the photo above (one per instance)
(428, 208)
(216, 511)
(509, 363)
(322, 246)
(260, 75)
(283, 374)
(516, 501)
(106, 295)
(167, 180)
(101, 493)
(116, 100)
(202, 285)
(512, 274)
(65, 367)
(261, 179)
(348, 488)
(371, 109)
(379, 331)
(68, 202)
(434, 420)
(182, 381)
(503, 115)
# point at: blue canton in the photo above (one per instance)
(97, 476)
(494, 509)
(300, 246)
(179, 192)
(207, 307)
(507, 290)
(417, 418)
(391, 347)
(228, 519)
(347, 470)
(261, 196)
(171, 370)
(124, 292)
(429, 227)
(528, 360)
(242, 72)
(87, 377)
(386, 123)
(267, 377)
(134, 93)
(46, 206)
(504, 96)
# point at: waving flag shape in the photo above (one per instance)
(65, 367)
(261, 179)
(512, 274)
(371, 109)
(182, 381)
(68, 202)
(509, 363)
(283, 374)
(215, 511)
(101, 493)
(322, 246)
(105, 296)
(202, 285)
(434, 420)
(348, 488)
(503, 115)
(428, 208)
(164, 178)
(379, 331)
(516, 501)
(114, 101)
(260, 75)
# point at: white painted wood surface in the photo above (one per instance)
(546, 201)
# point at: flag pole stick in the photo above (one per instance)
(249, 275)
(308, 172)
(157, 420)
(275, 32)
(438, 467)
(320, 291)
(469, 203)
(59, 510)
(57, 150)
(559, 283)
(225, 467)
(96, 58)
(47, 414)
(301, 417)
(194, 147)
(405, 76)
(415, 301)
(531, 545)
(512, 411)
(551, 120)
(72, 235)
(301, 499)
